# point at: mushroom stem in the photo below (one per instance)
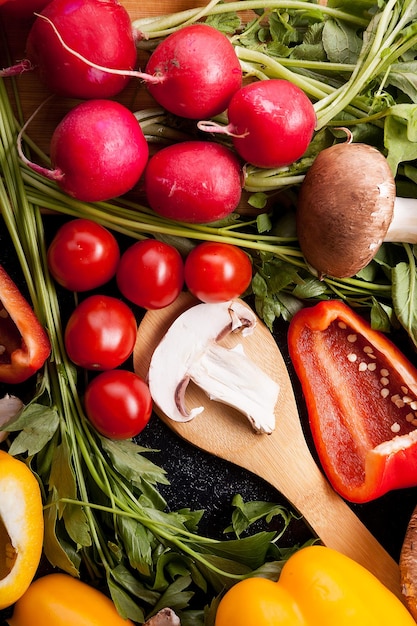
(403, 227)
(228, 376)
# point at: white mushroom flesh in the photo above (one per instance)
(164, 617)
(9, 408)
(240, 388)
(190, 351)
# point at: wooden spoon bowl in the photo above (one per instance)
(283, 458)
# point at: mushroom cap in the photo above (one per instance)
(345, 207)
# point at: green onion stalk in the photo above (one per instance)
(161, 26)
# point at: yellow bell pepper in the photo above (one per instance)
(318, 586)
(61, 600)
(21, 528)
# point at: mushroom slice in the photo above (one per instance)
(9, 408)
(164, 617)
(190, 351)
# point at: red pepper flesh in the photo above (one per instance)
(361, 398)
(24, 344)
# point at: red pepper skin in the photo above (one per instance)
(24, 342)
(361, 397)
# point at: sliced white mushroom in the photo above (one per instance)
(190, 351)
(9, 408)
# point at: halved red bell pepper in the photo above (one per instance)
(361, 396)
(24, 344)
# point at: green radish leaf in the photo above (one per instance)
(125, 605)
(58, 550)
(341, 42)
(36, 425)
(246, 514)
(128, 458)
(404, 296)
(132, 584)
(176, 595)
(400, 135)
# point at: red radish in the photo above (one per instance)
(98, 30)
(271, 123)
(199, 72)
(193, 181)
(193, 73)
(98, 151)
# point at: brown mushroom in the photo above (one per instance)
(408, 565)
(347, 207)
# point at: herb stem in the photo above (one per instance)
(163, 25)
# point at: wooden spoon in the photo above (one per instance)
(283, 458)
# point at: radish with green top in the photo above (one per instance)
(96, 31)
(194, 182)
(271, 123)
(98, 151)
(198, 70)
(193, 73)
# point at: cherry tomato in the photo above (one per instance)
(150, 274)
(217, 272)
(83, 255)
(100, 333)
(118, 404)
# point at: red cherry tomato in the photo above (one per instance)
(83, 255)
(118, 404)
(150, 274)
(100, 333)
(217, 272)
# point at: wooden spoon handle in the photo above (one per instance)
(329, 516)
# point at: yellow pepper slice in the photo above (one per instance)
(21, 528)
(318, 586)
